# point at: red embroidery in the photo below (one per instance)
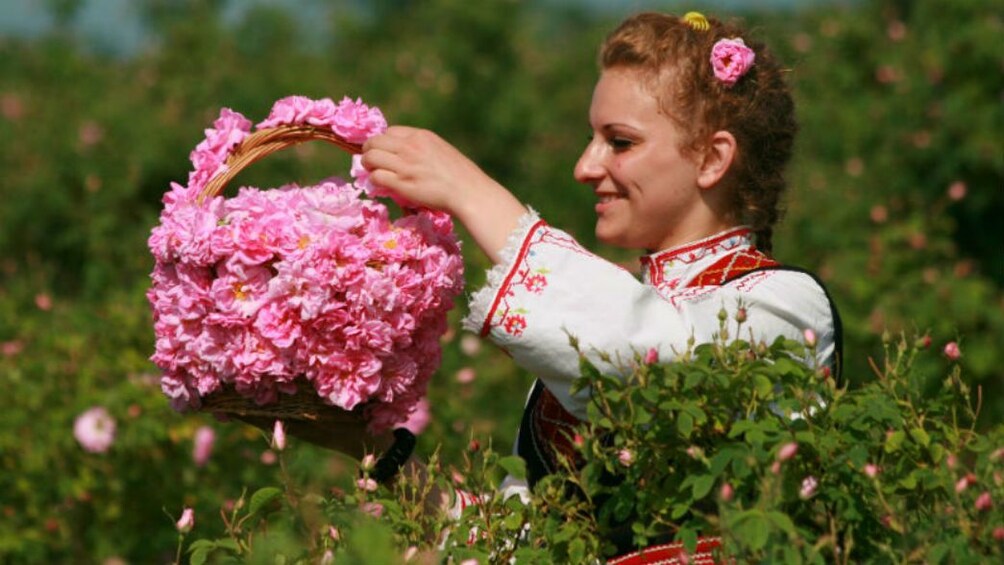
(514, 324)
(693, 252)
(535, 283)
(505, 288)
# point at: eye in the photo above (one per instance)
(620, 143)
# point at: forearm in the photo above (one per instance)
(490, 213)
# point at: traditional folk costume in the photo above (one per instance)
(548, 287)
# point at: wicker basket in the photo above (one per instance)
(305, 413)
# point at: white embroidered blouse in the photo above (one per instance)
(548, 287)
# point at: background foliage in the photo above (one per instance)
(896, 194)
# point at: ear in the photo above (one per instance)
(717, 159)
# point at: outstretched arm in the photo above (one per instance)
(425, 169)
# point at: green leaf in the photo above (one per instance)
(702, 486)
(752, 528)
(937, 452)
(199, 556)
(894, 441)
(688, 538)
(685, 423)
(763, 385)
(782, 520)
(920, 436)
(261, 497)
(228, 543)
(514, 465)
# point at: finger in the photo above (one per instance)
(377, 159)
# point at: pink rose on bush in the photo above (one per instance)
(731, 59)
(952, 351)
(94, 429)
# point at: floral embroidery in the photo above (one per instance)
(514, 324)
(535, 283)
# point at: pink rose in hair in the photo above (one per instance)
(731, 59)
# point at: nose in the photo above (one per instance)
(589, 169)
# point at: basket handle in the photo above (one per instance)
(266, 141)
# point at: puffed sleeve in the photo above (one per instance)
(548, 287)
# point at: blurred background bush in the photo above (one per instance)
(897, 199)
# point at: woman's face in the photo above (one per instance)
(647, 189)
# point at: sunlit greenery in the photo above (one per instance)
(896, 197)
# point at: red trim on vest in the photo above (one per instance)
(731, 267)
(671, 553)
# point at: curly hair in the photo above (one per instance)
(758, 110)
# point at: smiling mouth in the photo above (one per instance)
(604, 198)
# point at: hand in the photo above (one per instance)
(424, 169)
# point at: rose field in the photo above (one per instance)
(896, 201)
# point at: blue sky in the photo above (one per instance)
(113, 24)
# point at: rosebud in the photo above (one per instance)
(952, 351)
(328, 558)
(741, 315)
(726, 492)
(787, 451)
(983, 501)
(964, 482)
(279, 436)
(951, 461)
(999, 533)
(367, 484)
(924, 342)
(578, 440)
(474, 446)
(187, 521)
(333, 533)
(810, 337)
(652, 356)
(808, 489)
(368, 462)
(872, 470)
(626, 457)
(723, 315)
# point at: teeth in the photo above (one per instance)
(607, 198)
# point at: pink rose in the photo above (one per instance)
(952, 351)
(95, 430)
(983, 501)
(626, 457)
(726, 493)
(808, 487)
(787, 451)
(872, 470)
(731, 59)
(205, 437)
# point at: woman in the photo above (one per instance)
(692, 127)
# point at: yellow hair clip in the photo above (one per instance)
(696, 20)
